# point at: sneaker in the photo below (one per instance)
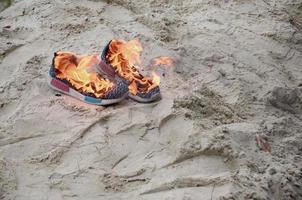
(79, 77)
(121, 56)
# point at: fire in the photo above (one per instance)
(156, 78)
(163, 60)
(77, 70)
(123, 56)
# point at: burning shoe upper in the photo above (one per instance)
(80, 72)
(123, 56)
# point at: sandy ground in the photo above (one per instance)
(238, 77)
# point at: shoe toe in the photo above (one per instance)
(118, 91)
(155, 91)
(150, 96)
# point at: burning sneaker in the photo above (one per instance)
(122, 57)
(79, 76)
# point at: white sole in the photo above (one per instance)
(83, 98)
(143, 100)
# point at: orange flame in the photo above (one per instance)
(77, 70)
(163, 60)
(123, 56)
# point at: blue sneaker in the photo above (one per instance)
(80, 77)
(118, 56)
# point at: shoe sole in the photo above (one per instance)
(66, 89)
(145, 100)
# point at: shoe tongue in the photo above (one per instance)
(103, 67)
(103, 53)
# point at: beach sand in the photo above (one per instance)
(237, 78)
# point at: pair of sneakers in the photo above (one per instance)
(103, 79)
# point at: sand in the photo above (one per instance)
(237, 77)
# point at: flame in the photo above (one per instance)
(163, 60)
(156, 78)
(78, 71)
(123, 56)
